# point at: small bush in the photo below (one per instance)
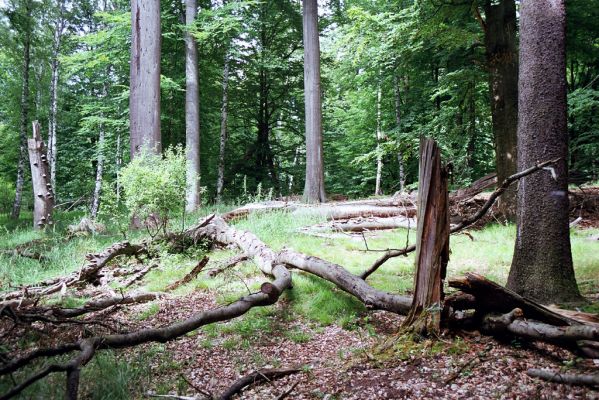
(154, 188)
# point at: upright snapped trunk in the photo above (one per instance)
(542, 264)
(192, 111)
(502, 61)
(16, 209)
(144, 100)
(314, 187)
(400, 161)
(220, 182)
(43, 203)
(379, 138)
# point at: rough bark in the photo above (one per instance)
(144, 101)
(569, 379)
(192, 111)
(43, 203)
(502, 60)
(432, 242)
(314, 191)
(542, 264)
(16, 209)
(379, 138)
(220, 181)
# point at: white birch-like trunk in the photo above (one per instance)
(379, 137)
(192, 111)
(100, 162)
(220, 182)
(400, 161)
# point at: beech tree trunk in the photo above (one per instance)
(16, 209)
(542, 264)
(99, 166)
(43, 204)
(144, 101)
(314, 187)
(432, 242)
(52, 146)
(220, 181)
(502, 60)
(379, 138)
(400, 161)
(192, 111)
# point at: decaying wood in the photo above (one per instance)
(491, 297)
(34, 255)
(43, 204)
(190, 276)
(432, 242)
(570, 379)
(362, 224)
(138, 276)
(256, 377)
(88, 273)
(478, 186)
(465, 222)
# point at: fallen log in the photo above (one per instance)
(569, 379)
(226, 264)
(87, 273)
(190, 276)
(139, 275)
(363, 224)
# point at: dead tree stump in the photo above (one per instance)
(432, 242)
(43, 204)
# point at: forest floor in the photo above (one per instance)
(342, 350)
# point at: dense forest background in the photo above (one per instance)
(391, 72)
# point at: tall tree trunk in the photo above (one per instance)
(220, 181)
(379, 138)
(43, 203)
(400, 161)
(542, 264)
(144, 101)
(16, 209)
(471, 148)
(118, 164)
(314, 188)
(52, 123)
(502, 61)
(192, 111)
(95, 206)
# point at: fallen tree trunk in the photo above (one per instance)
(569, 379)
(363, 224)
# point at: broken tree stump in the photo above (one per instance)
(43, 204)
(432, 242)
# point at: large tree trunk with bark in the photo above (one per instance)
(220, 181)
(16, 209)
(432, 242)
(144, 101)
(192, 111)
(502, 61)
(542, 264)
(43, 204)
(314, 187)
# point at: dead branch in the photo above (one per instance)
(139, 276)
(190, 276)
(569, 379)
(256, 377)
(226, 264)
(465, 222)
(288, 391)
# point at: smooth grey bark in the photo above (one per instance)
(52, 146)
(400, 161)
(379, 138)
(502, 60)
(542, 264)
(144, 101)
(314, 187)
(220, 182)
(192, 111)
(16, 209)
